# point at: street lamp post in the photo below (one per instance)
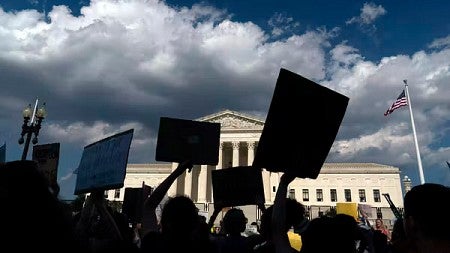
(31, 125)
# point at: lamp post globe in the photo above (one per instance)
(32, 120)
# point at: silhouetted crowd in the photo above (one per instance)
(32, 217)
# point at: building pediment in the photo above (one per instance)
(231, 120)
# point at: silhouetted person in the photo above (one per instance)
(399, 242)
(234, 224)
(426, 227)
(277, 220)
(180, 229)
(31, 216)
(381, 237)
(331, 234)
(128, 236)
(97, 228)
(380, 242)
(379, 225)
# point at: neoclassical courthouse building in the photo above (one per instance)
(363, 183)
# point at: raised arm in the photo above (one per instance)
(95, 217)
(149, 221)
(213, 217)
(279, 235)
(99, 201)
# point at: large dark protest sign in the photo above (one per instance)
(47, 158)
(180, 140)
(133, 202)
(301, 125)
(103, 163)
(237, 186)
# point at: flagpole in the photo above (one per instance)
(419, 161)
(34, 112)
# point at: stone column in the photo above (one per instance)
(267, 186)
(219, 163)
(202, 187)
(250, 152)
(235, 154)
(173, 188)
(188, 183)
(218, 167)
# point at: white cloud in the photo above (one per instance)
(281, 24)
(394, 138)
(66, 177)
(367, 135)
(369, 13)
(345, 54)
(441, 43)
(80, 132)
(117, 41)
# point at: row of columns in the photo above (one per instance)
(203, 174)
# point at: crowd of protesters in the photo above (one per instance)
(32, 217)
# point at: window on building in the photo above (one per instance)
(348, 195)
(376, 195)
(117, 193)
(319, 195)
(305, 195)
(292, 193)
(105, 194)
(333, 195)
(362, 195)
(274, 189)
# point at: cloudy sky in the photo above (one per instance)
(105, 66)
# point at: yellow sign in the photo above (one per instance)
(295, 240)
(348, 208)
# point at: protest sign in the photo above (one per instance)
(365, 210)
(47, 158)
(300, 127)
(348, 208)
(133, 202)
(237, 186)
(180, 140)
(103, 163)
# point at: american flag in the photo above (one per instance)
(401, 101)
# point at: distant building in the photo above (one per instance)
(363, 183)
